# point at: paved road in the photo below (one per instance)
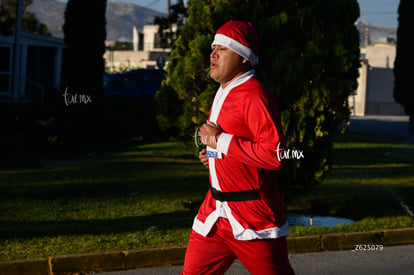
(395, 260)
(391, 125)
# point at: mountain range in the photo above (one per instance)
(120, 18)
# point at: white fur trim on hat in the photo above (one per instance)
(237, 47)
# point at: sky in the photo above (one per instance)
(377, 12)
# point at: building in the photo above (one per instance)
(374, 95)
(147, 51)
(41, 57)
(39, 70)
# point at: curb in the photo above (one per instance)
(131, 259)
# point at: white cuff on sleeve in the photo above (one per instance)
(223, 142)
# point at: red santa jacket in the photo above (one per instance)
(252, 132)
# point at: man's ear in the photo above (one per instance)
(246, 63)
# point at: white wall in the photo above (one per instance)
(374, 95)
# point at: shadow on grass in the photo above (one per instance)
(355, 136)
(32, 229)
(351, 201)
(111, 178)
(358, 185)
(62, 194)
(373, 155)
(372, 173)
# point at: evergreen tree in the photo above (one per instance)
(177, 16)
(84, 34)
(403, 91)
(309, 60)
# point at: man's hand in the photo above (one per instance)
(203, 158)
(208, 133)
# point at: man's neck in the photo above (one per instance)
(238, 75)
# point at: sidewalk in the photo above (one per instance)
(124, 260)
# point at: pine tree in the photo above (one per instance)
(403, 91)
(309, 60)
(84, 34)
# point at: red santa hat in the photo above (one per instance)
(240, 37)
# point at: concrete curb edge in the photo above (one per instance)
(123, 260)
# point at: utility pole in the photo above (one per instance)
(169, 6)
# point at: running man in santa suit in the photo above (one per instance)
(243, 214)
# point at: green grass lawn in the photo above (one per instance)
(370, 178)
(147, 197)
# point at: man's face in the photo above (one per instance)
(225, 65)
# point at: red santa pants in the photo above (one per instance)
(215, 253)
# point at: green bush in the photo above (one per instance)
(309, 60)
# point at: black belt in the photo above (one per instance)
(247, 195)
